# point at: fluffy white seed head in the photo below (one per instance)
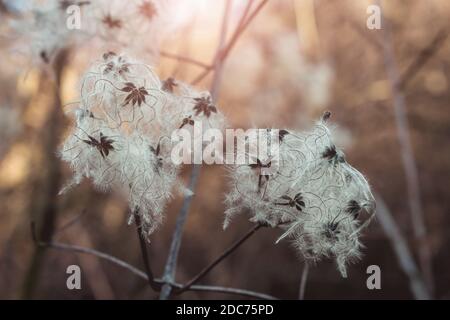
(121, 138)
(42, 28)
(48, 26)
(314, 195)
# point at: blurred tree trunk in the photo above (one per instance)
(43, 206)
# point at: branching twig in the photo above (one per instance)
(176, 240)
(218, 63)
(422, 58)
(225, 254)
(166, 284)
(246, 12)
(242, 25)
(185, 59)
(169, 271)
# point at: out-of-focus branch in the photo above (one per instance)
(246, 12)
(401, 249)
(422, 58)
(304, 279)
(242, 25)
(47, 191)
(419, 61)
(218, 63)
(185, 59)
(407, 154)
(221, 54)
(220, 258)
(70, 223)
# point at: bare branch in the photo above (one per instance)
(225, 254)
(242, 25)
(246, 12)
(93, 252)
(70, 223)
(218, 63)
(422, 58)
(185, 59)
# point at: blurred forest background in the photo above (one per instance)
(294, 61)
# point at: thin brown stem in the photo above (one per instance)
(218, 63)
(185, 59)
(151, 279)
(246, 12)
(70, 223)
(219, 259)
(242, 25)
(422, 58)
